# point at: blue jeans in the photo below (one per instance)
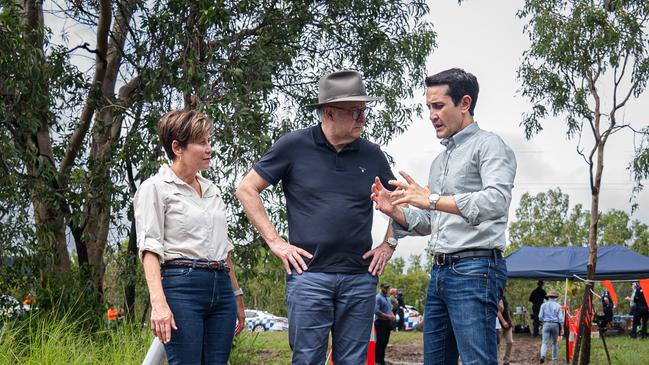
(550, 332)
(319, 303)
(461, 308)
(205, 312)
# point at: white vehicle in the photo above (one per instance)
(262, 321)
(411, 317)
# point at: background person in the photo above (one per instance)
(630, 298)
(537, 297)
(552, 317)
(506, 327)
(640, 314)
(111, 316)
(185, 251)
(384, 317)
(401, 322)
(326, 172)
(395, 306)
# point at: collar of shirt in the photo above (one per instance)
(320, 138)
(461, 136)
(168, 175)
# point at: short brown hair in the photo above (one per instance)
(184, 126)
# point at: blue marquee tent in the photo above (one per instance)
(613, 263)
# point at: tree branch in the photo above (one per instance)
(238, 36)
(74, 145)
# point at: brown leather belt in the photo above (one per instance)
(442, 259)
(200, 264)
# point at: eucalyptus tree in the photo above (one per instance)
(545, 219)
(587, 61)
(77, 137)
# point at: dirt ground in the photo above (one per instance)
(525, 351)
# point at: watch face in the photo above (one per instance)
(432, 199)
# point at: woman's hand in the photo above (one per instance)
(162, 321)
(241, 315)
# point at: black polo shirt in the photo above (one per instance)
(327, 196)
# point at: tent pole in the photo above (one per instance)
(565, 293)
(566, 329)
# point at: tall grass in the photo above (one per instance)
(55, 338)
(61, 339)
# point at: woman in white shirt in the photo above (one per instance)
(182, 241)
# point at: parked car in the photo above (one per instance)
(262, 321)
(411, 318)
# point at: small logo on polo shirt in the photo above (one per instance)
(362, 169)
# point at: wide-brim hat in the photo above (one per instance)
(552, 294)
(341, 86)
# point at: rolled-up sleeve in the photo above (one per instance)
(418, 221)
(149, 220)
(497, 166)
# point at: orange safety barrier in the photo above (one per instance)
(573, 327)
(371, 349)
(611, 290)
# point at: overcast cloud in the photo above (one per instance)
(486, 39)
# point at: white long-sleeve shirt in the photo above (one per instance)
(173, 221)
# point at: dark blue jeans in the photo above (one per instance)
(319, 303)
(461, 308)
(205, 312)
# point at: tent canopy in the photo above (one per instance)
(613, 263)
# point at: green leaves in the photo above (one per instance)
(545, 219)
(574, 44)
(250, 65)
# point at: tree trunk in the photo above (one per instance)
(582, 344)
(50, 224)
(130, 267)
(105, 133)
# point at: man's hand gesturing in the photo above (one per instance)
(410, 192)
(382, 197)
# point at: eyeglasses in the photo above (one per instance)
(356, 112)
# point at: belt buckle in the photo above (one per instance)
(440, 259)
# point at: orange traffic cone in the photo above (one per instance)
(371, 349)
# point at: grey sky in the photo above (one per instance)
(486, 39)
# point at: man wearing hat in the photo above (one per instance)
(552, 317)
(326, 173)
(384, 317)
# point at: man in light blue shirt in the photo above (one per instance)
(383, 323)
(464, 209)
(552, 317)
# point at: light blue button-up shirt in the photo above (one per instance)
(383, 305)
(478, 169)
(551, 312)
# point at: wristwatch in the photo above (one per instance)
(432, 200)
(237, 292)
(392, 242)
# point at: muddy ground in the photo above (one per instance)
(525, 351)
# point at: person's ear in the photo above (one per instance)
(176, 148)
(465, 103)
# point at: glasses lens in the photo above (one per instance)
(356, 113)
